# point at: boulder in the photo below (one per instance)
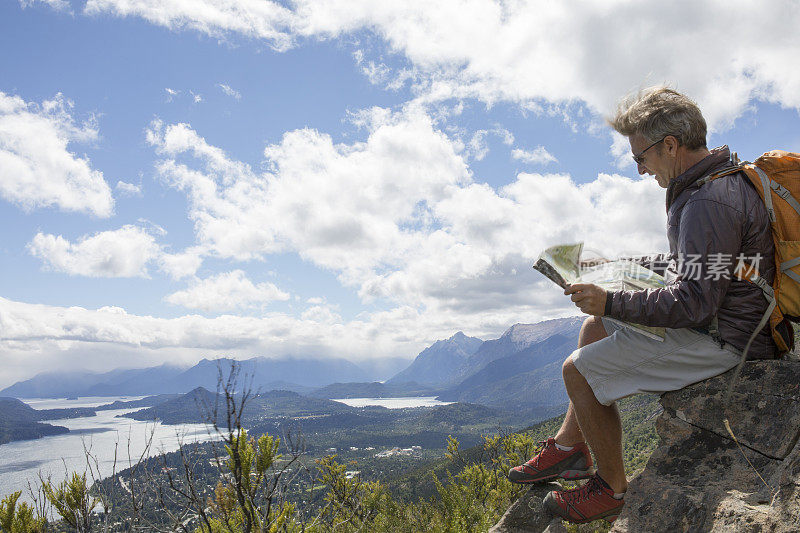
(699, 478)
(764, 411)
(526, 515)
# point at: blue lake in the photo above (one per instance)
(101, 436)
(393, 403)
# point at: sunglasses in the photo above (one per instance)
(639, 158)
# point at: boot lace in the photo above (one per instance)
(534, 461)
(583, 493)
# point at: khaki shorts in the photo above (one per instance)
(627, 362)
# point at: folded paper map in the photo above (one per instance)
(562, 264)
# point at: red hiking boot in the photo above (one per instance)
(592, 501)
(551, 463)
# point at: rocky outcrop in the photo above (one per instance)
(699, 479)
(526, 514)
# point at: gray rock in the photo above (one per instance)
(765, 406)
(526, 514)
(699, 479)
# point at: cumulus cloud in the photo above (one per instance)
(537, 156)
(37, 168)
(233, 93)
(227, 198)
(369, 197)
(218, 18)
(122, 253)
(227, 291)
(129, 189)
(398, 215)
(537, 54)
(183, 264)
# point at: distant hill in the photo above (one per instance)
(136, 382)
(307, 372)
(520, 371)
(19, 421)
(517, 338)
(435, 364)
(534, 360)
(14, 409)
(147, 401)
(299, 374)
(120, 382)
(198, 405)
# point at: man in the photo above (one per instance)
(708, 312)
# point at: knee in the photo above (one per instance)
(592, 330)
(568, 369)
(570, 372)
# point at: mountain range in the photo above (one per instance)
(517, 375)
(434, 365)
(520, 371)
(297, 374)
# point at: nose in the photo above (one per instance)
(642, 169)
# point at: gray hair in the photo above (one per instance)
(658, 112)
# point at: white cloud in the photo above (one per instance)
(37, 169)
(128, 189)
(227, 199)
(228, 291)
(621, 150)
(477, 146)
(121, 253)
(537, 156)
(110, 337)
(173, 93)
(368, 199)
(534, 53)
(58, 5)
(233, 93)
(252, 18)
(181, 264)
(506, 136)
(397, 216)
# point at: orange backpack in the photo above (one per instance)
(776, 177)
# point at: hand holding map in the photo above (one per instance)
(563, 265)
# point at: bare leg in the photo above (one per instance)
(570, 433)
(601, 426)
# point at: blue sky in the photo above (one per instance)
(185, 180)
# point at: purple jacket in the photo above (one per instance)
(725, 216)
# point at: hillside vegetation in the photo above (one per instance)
(266, 484)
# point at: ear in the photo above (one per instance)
(671, 145)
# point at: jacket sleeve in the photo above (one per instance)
(709, 239)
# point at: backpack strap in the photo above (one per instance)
(783, 192)
(724, 172)
(791, 263)
(766, 185)
(769, 294)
